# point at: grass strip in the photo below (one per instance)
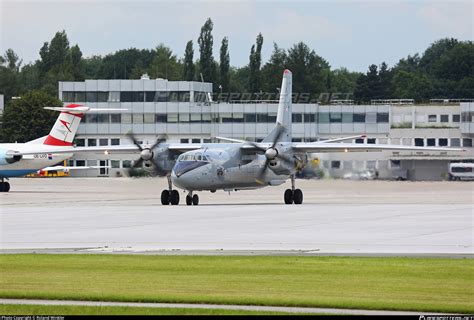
(388, 283)
(16, 309)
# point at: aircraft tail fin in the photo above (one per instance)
(65, 127)
(284, 111)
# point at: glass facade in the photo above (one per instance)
(129, 96)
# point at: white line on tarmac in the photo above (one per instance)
(210, 306)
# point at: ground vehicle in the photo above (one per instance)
(361, 175)
(461, 171)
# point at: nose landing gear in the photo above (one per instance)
(293, 195)
(169, 196)
(192, 199)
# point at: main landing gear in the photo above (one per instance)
(170, 196)
(4, 186)
(192, 199)
(293, 195)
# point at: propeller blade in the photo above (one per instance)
(280, 131)
(131, 136)
(138, 163)
(263, 171)
(157, 143)
(256, 146)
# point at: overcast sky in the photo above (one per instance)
(352, 34)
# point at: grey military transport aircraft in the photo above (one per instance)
(238, 164)
(245, 165)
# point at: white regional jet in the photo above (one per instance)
(19, 159)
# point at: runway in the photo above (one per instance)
(119, 215)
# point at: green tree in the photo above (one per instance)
(309, 70)
(76, 63)
(366, 85)
(385, 82)
(239, 78)
(412, 85)
(188, 67)
(92, 66)
(119, 65)
(54, 54)
(12, 60)
(344, 81)
(206, 59)
(165, 64)
(255, 61)
(224, 65)
(272, 70)
(59, 62)
(30, 77)
(25, 119)
(10, 79)
(434, 52)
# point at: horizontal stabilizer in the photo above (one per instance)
(81, 109)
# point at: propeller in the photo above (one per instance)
(271, 153)
(147, 154)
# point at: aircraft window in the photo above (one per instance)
(198, 157)
(180, 158)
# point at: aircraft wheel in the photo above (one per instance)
(298, 196)
(4, 187)
(189, 200)
(195, 200)
(174, 197)
(288, 196)
(165, 197)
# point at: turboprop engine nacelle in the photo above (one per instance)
(161, 156)
(7, 157)
(279, 167)
(282, 167)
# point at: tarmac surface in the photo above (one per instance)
(338, 217)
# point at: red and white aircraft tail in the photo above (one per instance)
(65, 128)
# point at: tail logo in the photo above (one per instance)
(66, 124)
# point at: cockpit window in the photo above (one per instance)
(193, 157)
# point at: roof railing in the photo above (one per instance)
(449, 101)
(392, 101)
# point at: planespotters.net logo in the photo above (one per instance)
(447, 317)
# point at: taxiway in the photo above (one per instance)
(117, 215)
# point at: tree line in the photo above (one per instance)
(444, 70)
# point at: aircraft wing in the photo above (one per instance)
(178, 147)
(356, 147)
(61, 150)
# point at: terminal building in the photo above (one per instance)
(182, 111)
